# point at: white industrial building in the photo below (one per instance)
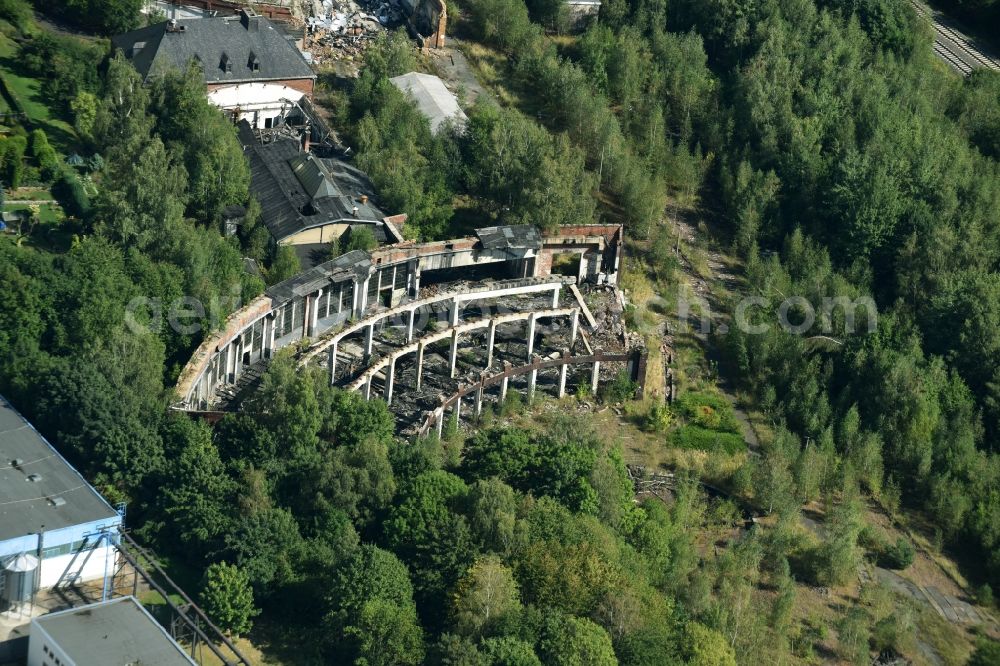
(55, 529)
(119, 632)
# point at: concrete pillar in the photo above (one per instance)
(355, 299)
(231, 362)
(574, 328)
(479, 399)
(458, 410)
(455, 310)
(271, 329)
(595, 375)
(562, 379)
(491, 335)
(420, 363)
(333, 363)
(306, 315)
(390, 378)
(313, 312)
(368, 387)
(454, 351)
(362, 297)
(340, 299)
(369, 339)
(409, 325)
(555, 297)
(504, 381)
(416, 281)
(440, 421)
(532, 379)
(531, 335)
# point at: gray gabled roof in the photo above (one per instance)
(433, 99)
(297, 191)
(312, 176)
(211, 42)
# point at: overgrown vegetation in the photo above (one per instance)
(841, 161)
(855, 155)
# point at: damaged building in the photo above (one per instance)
(428, 19)
(425, 325)
(252, 70)
(308, 201)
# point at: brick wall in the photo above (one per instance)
(543, 263)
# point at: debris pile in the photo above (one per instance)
(343, 28)
(606, 305)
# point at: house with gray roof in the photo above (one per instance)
(252, 69)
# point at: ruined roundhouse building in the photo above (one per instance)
(340, 306)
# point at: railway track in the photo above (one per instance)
(953, 47)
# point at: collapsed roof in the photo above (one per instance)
(519, 237)
(299, 191)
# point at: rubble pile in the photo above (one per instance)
(606, 305)
(344, 28)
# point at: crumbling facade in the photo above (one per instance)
(429, 20)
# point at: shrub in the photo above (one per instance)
(69, 192)
(872, 539)
(17, 12)
(987, 652)
(984, 595)
(660, 418)
(898, 555)
(361, 238)
(512, 404)
(619, 389)
(44, 155)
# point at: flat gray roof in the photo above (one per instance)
(33, 476)
(112, 633)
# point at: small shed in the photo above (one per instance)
(434, 100)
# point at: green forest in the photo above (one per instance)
(820, 145)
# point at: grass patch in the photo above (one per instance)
(708, 410)
(951, 642)
(48, 214)
(28, 92)
(30, 194)
(490, 68)
(703, 439)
